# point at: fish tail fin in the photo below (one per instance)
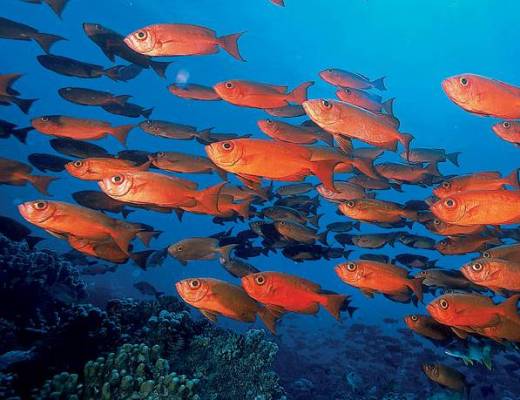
(322, 237)
(299, 94)
(141, 258)
(388, 106)
(324, 171)
(21, 134)
(33, 241)
(453, 158)
(57, 6)
(269, 318)
(335, 303)
(121, 133)
(24, 104)
(357, 225)
(396, 186)
(209, 196)
(147, 113)
(242, 208)
(160, 67)
(379, 84)
(225, 251)
(125, 212)
(405, 139)
(509, 308)
(416, 285)
(512, 179)
(41, 183)
(112, 73)
(230, 44)
(121, 100)
(45, 41)
(146, 236)
(205, 135)
(123, 235)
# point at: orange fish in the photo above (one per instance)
(368, 101)
(477, 181)
(426, 326)
(484, 96)
(345, 79)
(505, 329)
(346, 191)
(166, 40)
(444, 229)
(193, 91)
(253, 159)
(63, 220)
(260, 95)
(186, 163)
(97, 168)
(345, 162)
(285, 132)
(150, 188)
(18, 174)
(509, 252)
(485, 207)
(213, 297)
(289, 293)
(509, 131)
(465, 244)
(372, 210)
(375, 277)
(494, 273)
(472, 310)
(342, 119)
(79, 128)
(406, 173)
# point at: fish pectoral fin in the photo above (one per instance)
(459, 332)
(56, 234)
(275, 310)
(209, 315)
(368, 293)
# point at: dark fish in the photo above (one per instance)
(375, 257)
(239, 268)
(206, 137)
(56, 5)
(97, 269)
(101, 202)
(313, 252)
(75, 68)
(417, 205)
(112, 44)
(8, 95)
(374, 240)
(90, 97)
(294, 189)
(147, 289)
(23, 104)
(8, 129)
(157, 258)
(48, 162)
(446, 279)
(417, 241)
(10, 359)
(280, 213)
(343, 226)
(170, 130)
(137, 156)
(17, 31)
(294, 231)
(414, 261)
(126, 73)
(17, 232)
(288, 111)
(128, 110)
(78, 148)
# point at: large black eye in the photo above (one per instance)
(450, 203)
(351, 267)
(506, 124)
(77, 163)
(40, 205)
(269, 121)
(443, 243)
(348, 91)
(436, 222)
(414, 317)
(194, 283)
(326, 104)
(351, 203)
(117, 179)
(229, 85)
(227, 145)
(44, 119)
(486, 254)
(477, 267)
(260, 280)
(463, 81)
(98, 27)
(446, 185)
(179, 249)
(141, 35)
(444, 304)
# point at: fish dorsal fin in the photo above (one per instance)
(209, 315)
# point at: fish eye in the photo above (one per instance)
(40, 205)
(506, 124)
(446, 185)
(179, 249)
(414, 317)
(98, 27)
(348, 91)
(161, 154)
(463, 81)
(351, 203)
(260, 280)
(351, 267)
(436, 222)
(229, 85)
(486, 254)
(269, 121)
(444, 304)
(326, 104)
(443, 243)
(141, 35)
(477, 267)
(194, 283)
(44, 119)
(117, 179)
(450, 203)
(77, 163)
(227, 146)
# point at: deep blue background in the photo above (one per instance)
(414, 43)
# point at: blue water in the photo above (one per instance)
(415, 44)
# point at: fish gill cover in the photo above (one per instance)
(259, 200)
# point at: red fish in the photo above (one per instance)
(477, 181)
(193, 91)
(345, 79)
(368, 101)
(509, 131)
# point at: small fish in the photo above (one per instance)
(97, 269)
(130, 110)
(147, 289)
(199, 248)
(372, 210)
(185, 163)
(508, 131)
(415, 261)
(442, 228)
(294, 189)
(17, 232)
(466, 244)
(289, 293)
(447, 377)
(403, 173)
(494, 273)
(167, 40)
(279, 213)
(416, 241)
(434, 156)
(477, 181)
(239, 268)
(100, 201)
(342, 226)
(375, 257)
(79, 128)
(16, 173)
(344, 191)
(366, 100)
(345, 79)
(260, 95)
(426, 326)
(483, 96)
(47, 162)
(90, 97)
(374, 240)
(300, 233)
(288, 111)
(193, 91)
(138, 157)
(480, 354)
(213, 297)
(285, 132)
(8, 129)
(373, 184)
(78, 148)
(171, 130)
(125, 73)
(17, 31)
(75, 68)
(508, 252)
